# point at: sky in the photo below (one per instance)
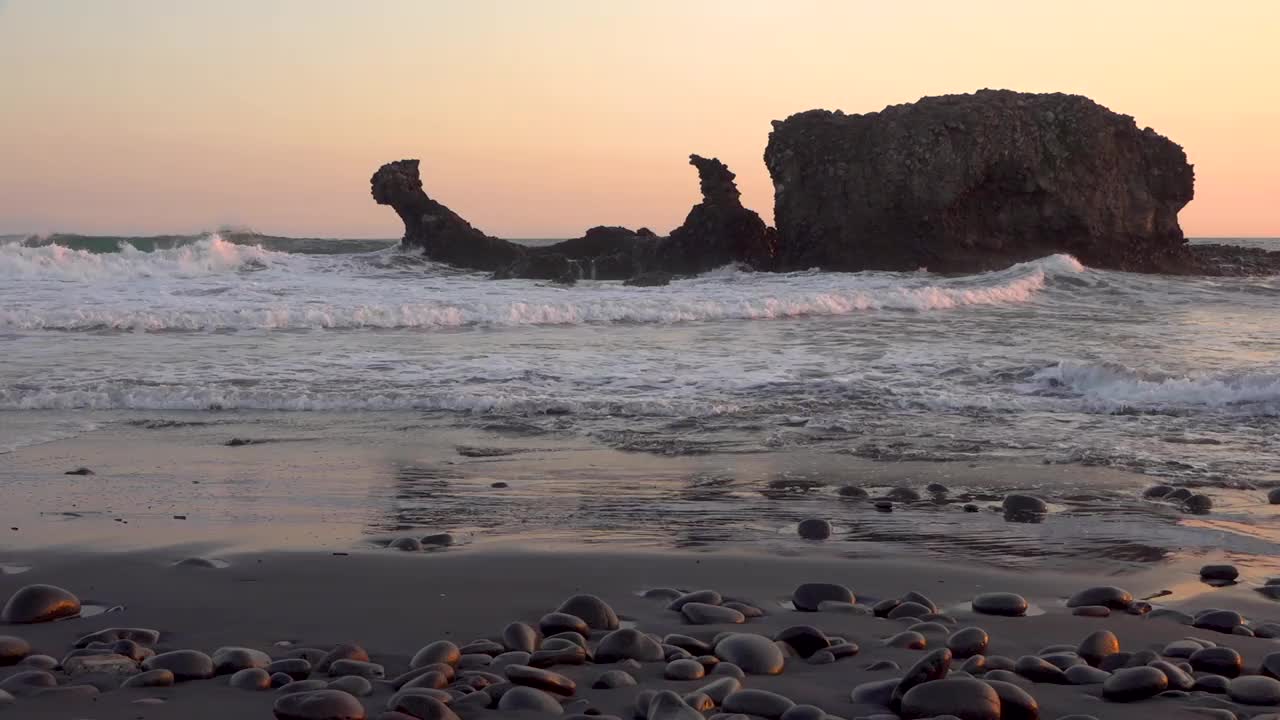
(540, 118)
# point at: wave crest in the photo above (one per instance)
(210, 255)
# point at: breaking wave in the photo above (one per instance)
(1112, 387)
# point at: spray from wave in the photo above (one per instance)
(1111, 387)
(208, 256)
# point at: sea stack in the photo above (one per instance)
(967, 183)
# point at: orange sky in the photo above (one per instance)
(540, 119)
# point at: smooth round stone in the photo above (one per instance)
(28, 682)
(1018, 504)
(1130, 684)
(302, 686)
(229, 660)
(572, 637)
(884, 607)
(1094, 611)
(814, 529)
(968, 642)
(1157, 491)
(1254, 690)
(1198, 504)
(748, 611)
(1000, 662)
(1039, 670)
(150, 678)
(1178, 680)
(105, 663)
(39, 603)
(902, 494)
(876, 692)
(804, 639)
(728, 669)
(851, 491)
(296, 668)
(1015, 703)
(359, 668)
(703, 614)
(250, 679)
(883, 505)
(1267, 631)
(558, 622)
(754, 654)
(1097, 646)
(1063, 660)
(430, 679)
(908, 640)
(708, 597)
(937, 488)
(406, 544)
(311, 655)
(971, 508)
(684, 670)
(928, 628)
(908, 610)
(529, 699)
(721, 688)
(13, 650)
(541, 679)
(760, 703)
(975, 665)
(804, 712)
(39, 662)
(693, 645)
(1178, 494)
(1223, 621)
(612, 679)
(184, 664)
(1085, 675)
(440, 651)
(920, 599)
(933, 666)
(1273, 496)
(1105, 595)
(1215, 684)
(595, 612)
(666, 705)
(520, 637)
(422, 705)
(628, 643)
(808, 596)
(1000, 603)
(437, 540)
(1242, 630)
(572, 655)
(963, 698)
(1226, 573)
(198, 563)
(319, 705)
(279, 680)
(1270, 665)
(342, 651)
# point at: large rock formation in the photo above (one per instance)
(718, 231)
(963, 183)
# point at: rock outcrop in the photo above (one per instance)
(965, 183)
(718, 231)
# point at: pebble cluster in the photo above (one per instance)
(515, 670)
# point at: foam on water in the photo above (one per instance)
(1111, 387)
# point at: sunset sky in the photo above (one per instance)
(542, 118)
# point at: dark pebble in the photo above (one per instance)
(1107, 596)
(968, 642)
(962, 697)
(1098, 646)
(807, 596)
(1004, 604)
(1226, 573)
(804, 639)
(39, 603)
(1130, 684)
(595, 612)
(1217, 661)
(814, 529)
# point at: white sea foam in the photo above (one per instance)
(209, 256)
(1110, 386)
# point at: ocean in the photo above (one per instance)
(1047, 364)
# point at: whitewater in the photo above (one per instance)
(1046, 360)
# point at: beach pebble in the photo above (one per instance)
(1157, 491)
(229, 660)
(936, 488)
(1040, 670)
(1273, 496)
(703, 614)
(150, 678)
(1254, 690)
(804, 712)
(1097, 646)
(437, 540)
(440, 651)
(1178, 494)
(1105, 595)
(250, 679)
(199, 563)
(808, 596)
(341, 651)
(908, 640)
(879, 665)
(106, 664)
(1178, 680)
(968, 642)
(529, 699)
(908, 610)
(974, 665)
(693, 645)
(1130, 684)
(39, 662)
(1223, 621)
(13, 650)
(1225, 573)
(804, 639)
(319, 705)
(80, 471)
(1015, 703)
(296, 668)
(754, 654)
(876, 692)
(39, 603)
(613, 679)
(595, 612)
(359, 668)
(1094, 611)
(558, 622)
(476, 661)
(302, 686)
(423, 706)
(748, 611)
(354, 684)
(933, 666)
(1000, 603)
(27, 682)
(1198, 504)
(903, 494)
(758, 703)
(1085, 675)
(684, 670)
(184, 664)
(720, 688)
(279, 680)
(728, 669)
(1268, 630)
(667, 705)
(541, 679)
(845, 608)
(571, 655)
(1063, 660)
(814, 529)
(629, 643)
(883, 505)
(1016, 503)
(970, 508)
(707, 597)
(406, 544)
(851, 491)
(962, 697)
(1215, 684)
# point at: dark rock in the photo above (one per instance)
(406, 544)
(80, 471)
(937, 488)
(150, 678)
(758, 703)
(558, 622)
(748, 611)
(933, 666)
(1198, 504)
(521, 637)
(966, 183)
(1107, 596)
(1063, 660)
(1098, 646)
(1215, 684)
(807, 596)
(595, 612)
(1254, 690)
(13, 650)
(353, 684)
(971, 508)
(666, 705)
(39, 603)
(229, 660)
(907, 640)
(804, 712)
(968, 642)
(1157, 491)
(425, 706)
(804, 639)
(295, 668)
(28, 682)
(684, 669)
(437, 540)
(1178, 495)
(704, 614)
(707, 597)
(612, 679)
(1095, 611)
(1218, 661)
(1130, 684)
(852, 491)
(814, 529)
(1270, 665)
(1223, 621)
(876, 692)
(693, 645)
(1273, 496)
(627, 643)
(1085, 675)
(541, 679)
(1039, 670)
(879, 665)
(903, 494)
(908, 610)
(440, 651)
(142, 636)
(1225, 573)
(184, 664)
(1178, 680)
(1015, 703)
(360, 668)
(720, 689)
(964, 698)
(884, 607)
(250, 679)
(755, 654)
(1005, 604)
(570, 655)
